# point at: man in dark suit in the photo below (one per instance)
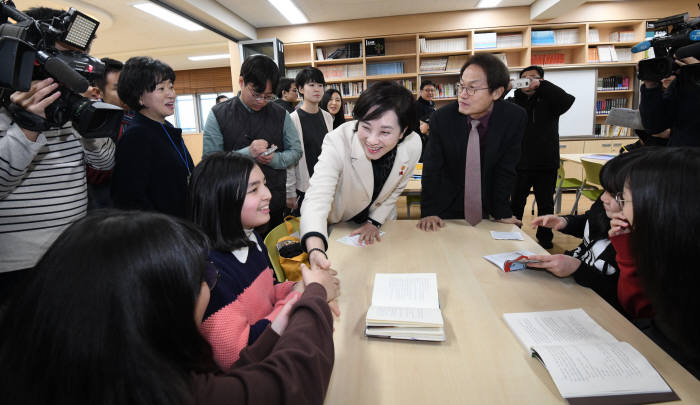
(483, 82)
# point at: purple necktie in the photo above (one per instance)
(472, 177)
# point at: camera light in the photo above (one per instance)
(81, 30)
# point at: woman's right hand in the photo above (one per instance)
(549, 221)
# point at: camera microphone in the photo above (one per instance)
(641, 47)
(63, 73)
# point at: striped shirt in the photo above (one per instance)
(42, 187)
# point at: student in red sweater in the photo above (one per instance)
(660, 206)
(110, 315)
(228, 200)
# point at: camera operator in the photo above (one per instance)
(42, 177)
(675, 108)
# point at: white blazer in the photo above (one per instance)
(298, 175)
(343, 181)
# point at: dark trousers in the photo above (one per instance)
(10, 282)
(543, 182)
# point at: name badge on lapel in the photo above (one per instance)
(403, 169)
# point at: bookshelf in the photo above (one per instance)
(446, 51)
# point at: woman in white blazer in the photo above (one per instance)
(363, 168)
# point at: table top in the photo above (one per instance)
(481, 361)
(576, 157)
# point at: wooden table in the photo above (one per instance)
(481, 362)
(576, 157)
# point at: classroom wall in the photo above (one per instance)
(469, 19)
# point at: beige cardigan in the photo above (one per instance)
(298, 175)
(343, 181)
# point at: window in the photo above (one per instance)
(192, 110)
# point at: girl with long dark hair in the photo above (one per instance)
(332, 101)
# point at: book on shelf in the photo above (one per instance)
(292, 72)
(341, 71)
(485, 40)
(606, 53)
(405, 306)
(624, 54)
(319, 54)
(545, 37)
(349, 50)
(613, 83)
(509, 40)
(622, 36)
(348, 88)
(603, 107)
(384, 68)
(374, 47)
(547, 58)
(503, 57)
(455, 63)
(608, 130)
(593, 35)
(443, 45)
(445, 90)
(566, 36)
(348, 106)
(433, 65)
(593, 54)
(587, 364)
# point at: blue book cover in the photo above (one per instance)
(543, 37)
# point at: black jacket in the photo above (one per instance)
(676, 108)
(149, 173)
(541, 141)
(446, 154)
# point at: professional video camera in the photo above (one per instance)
(28, 51)
(682, 34)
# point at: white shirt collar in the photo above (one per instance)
(242, 253)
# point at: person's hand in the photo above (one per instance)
(511, 220)
(265, 159)
(534, 84)
(368, 233)
(651, 84)
(560, 265)
(690, 60)
(549, 221)
(424, 127)
(431, 223)
(666, 81)
(298, 287)
(319, 261)
(282, 318)
(36, 100)
(665, 134)
(329, 281)
(292, 203)
(618, 225)
(257, 147)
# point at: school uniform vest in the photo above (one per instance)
(240, 127)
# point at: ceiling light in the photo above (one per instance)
(488, 3)
(209, 57)
(289, 11)
(167, 15)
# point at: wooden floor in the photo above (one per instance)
(561, 242)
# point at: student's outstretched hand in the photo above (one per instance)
(512, 220)
(431, 223)
(282, 318)
(619, 225)
(329, 281)
(368, 233)
(549, 221)
(560, 265)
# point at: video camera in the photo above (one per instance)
(28, 50)
(678, 43)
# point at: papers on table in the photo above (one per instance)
(506, 235)
(499, 259)
(355, 240)
(599, 156)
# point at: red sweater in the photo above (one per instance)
(630, 292)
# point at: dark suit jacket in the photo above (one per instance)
(445, 158)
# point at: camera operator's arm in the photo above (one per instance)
(18, 146)
(658, 107)
(99, 152)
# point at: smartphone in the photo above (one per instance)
(269, 150)
(518, 264)
(521, 83)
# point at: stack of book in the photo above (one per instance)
(348, 89)
(384, 68)
(443, 45)
(555, 37)
(455, 63)
(405, 306)
(445, 90)
(587, 364)
(624, 54)
(509, 41)
(433, 65)
(607, 53)
(622, 36)
(331, 72)
(612, 83)
(547, 59)
(485, 40)
(603, 107)
(612, 130)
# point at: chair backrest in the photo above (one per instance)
(592, 170)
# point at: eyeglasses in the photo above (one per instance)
(470, 90)
(259, 97)
(620, 201)
(211, 275)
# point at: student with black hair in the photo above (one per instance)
(287, 94)
(221, 98)
(110, 315)
(363, 168)
(153, 165)
(537, 169)
(657, 238)
(312, 124)
(592, 264)
(332, 101)
(473, 148)
(251, 123)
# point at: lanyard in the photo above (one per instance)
(184, 160)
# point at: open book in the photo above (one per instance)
(405, 306)
(588, 365)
